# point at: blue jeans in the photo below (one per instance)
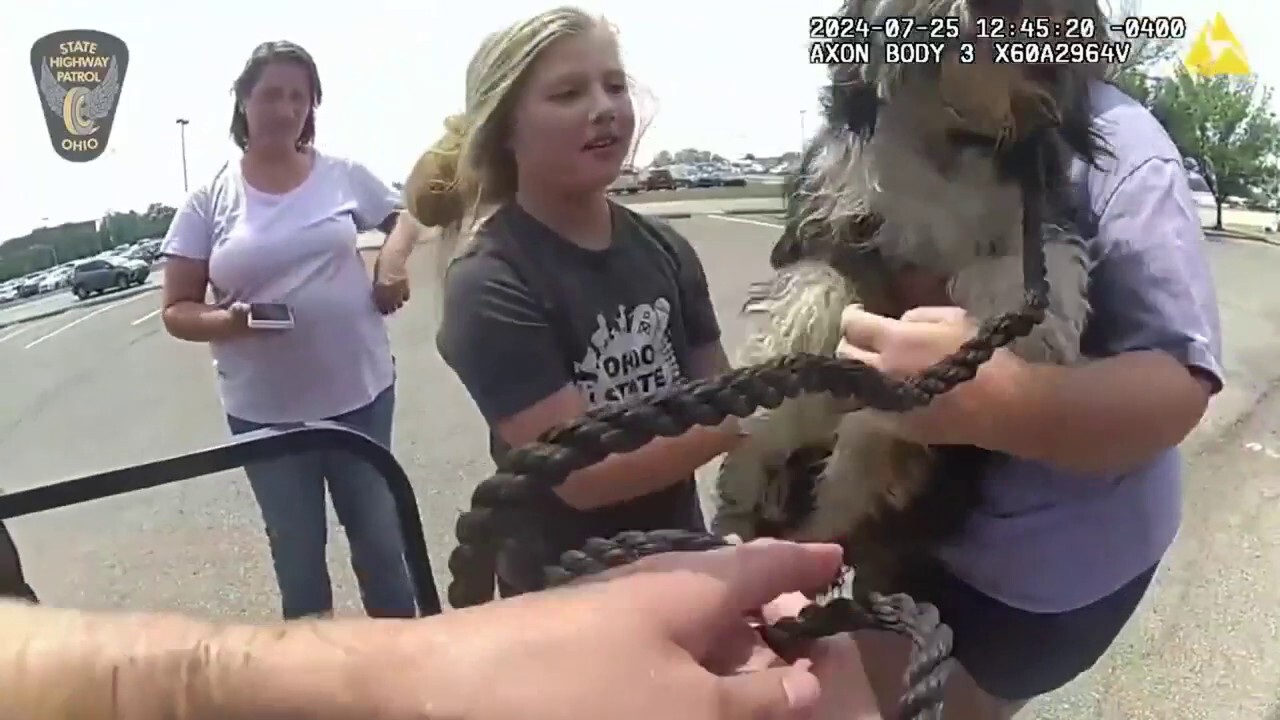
(290, 493)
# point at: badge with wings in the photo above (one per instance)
(80, 107)
(79, 77)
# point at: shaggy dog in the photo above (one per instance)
(920, 167)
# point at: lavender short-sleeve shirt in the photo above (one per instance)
(1052, 541)
(297, 248)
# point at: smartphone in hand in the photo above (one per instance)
(270, 316)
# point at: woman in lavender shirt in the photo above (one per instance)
(280, 226)
(1076, 522)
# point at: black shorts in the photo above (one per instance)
(1016, 655)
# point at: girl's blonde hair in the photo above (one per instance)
(470, 169)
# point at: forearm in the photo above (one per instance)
(661, 463)
(198, 322)
(63, 664)
(72, 665)
(1101, 418)
(400, 241)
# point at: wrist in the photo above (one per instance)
(334, 670)
(1015, 394)
(230, 324)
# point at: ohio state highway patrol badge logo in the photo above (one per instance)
(79, 74)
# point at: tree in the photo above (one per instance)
(1138, 75)
(645, 105)
(688, 156)
(43, 247)
(1226, 125)
(662, 158)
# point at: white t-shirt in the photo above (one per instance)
(297, 248)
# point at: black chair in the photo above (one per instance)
(242, 450)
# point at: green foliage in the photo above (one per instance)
(45, 247)
(1225, 123)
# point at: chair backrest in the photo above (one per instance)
(12, 582)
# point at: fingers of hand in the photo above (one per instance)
(785, 606)
(759, 571)
(773, 694)
(850, 351)
(865, 330)
(936, 314)
(698, 596)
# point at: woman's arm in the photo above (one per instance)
(1100, 419)
(497, 339)
(1156, 315)
(402, 235)
(186, 315)
(659, 464)
(186, 249)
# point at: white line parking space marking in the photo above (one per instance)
(21, 329)
(146, 317)
(749, 221)
(81, 319)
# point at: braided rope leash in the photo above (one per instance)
(499, 518)
(930, 663)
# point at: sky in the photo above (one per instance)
(728, 76)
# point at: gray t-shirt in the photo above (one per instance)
(297, 248)
(527, 312)
(1051, 541)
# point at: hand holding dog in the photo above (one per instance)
(921, 338)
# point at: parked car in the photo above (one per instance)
(628, 181)
(733, 178)
(659, 179)
(681, 175)
(51, 282)
(30, 285)
(8, 292)
(140, 269)
(146, 250)
(707, 175)
(107, 273)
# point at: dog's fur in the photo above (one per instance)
(924, 167)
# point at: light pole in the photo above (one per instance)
(182, 131)
(51, 250)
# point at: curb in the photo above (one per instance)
(686, 215)
(82, 304)
(1212, 235)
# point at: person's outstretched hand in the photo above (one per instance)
(662, 638)
(667, 637)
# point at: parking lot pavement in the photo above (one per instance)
(63, 300)
(105, 387)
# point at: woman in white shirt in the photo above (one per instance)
(280, 226)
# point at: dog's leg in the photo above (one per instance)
(743, 486)
(869, 470)
(992, 286)
(799, 311)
